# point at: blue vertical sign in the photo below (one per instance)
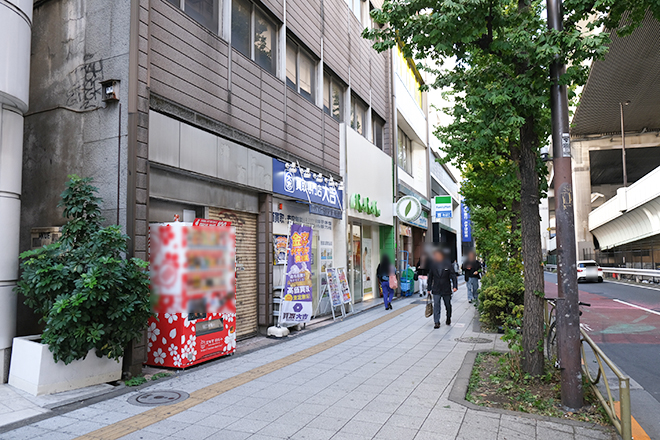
(466, 223)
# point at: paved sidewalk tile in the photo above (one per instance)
(389, 381)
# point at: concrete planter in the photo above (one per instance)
(32, 369)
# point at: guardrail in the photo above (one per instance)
(630, 271)
(623, 421)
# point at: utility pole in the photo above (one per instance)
(623, 146)
(568, 314)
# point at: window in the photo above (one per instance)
(204, 12)
(300, 71)
(377, 125)
(408, 76)
(359, 8)
(333, 97)
(254, 34)
(404, 152)
(358, 110)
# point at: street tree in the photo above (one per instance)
(501, 52)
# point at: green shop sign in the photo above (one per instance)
(364, 205)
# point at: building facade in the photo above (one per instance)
(255, 112)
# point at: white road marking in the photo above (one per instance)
(585, 327)
(621, 283)
(638, 307)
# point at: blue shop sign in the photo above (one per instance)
(466, 224)
(306, 189)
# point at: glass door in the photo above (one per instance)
(355, 261)
(367, 264)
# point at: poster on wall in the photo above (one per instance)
(367, 250)
(333, 288)
(279, 245)
(296, 306)
(343, 285)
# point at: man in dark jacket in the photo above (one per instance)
(442, 283)
(472, 271)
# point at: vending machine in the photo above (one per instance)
(193, 282)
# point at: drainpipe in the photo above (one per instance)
(15, 35)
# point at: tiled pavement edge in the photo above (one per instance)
(392, 381)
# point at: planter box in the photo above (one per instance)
(33, 369)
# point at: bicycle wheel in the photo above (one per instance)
(551, 343)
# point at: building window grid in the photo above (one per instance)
(254, 34)
(300, 71)
(378, 128)
(333, 97)
(408, 76)
(205, 12)
(404, 151)
(358, 115)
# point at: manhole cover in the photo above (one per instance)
(471, 340)
(156, 398)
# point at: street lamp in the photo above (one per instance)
(623, 145)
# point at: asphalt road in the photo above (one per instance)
(624, 320)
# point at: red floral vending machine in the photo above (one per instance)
(193, 280)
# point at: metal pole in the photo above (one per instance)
(568, 318)
(623, 148)
(626, 413)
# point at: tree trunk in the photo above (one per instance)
(532, 362)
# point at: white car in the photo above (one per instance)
(589, 270)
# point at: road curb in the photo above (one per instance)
(460, 386)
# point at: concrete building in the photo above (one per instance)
(223, 109)
(15, 35)
(615, 223)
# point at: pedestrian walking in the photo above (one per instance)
(442, 283)
(385, 272)
(422, 271)
(472, 272)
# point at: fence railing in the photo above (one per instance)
(630, 271)
(623, 420)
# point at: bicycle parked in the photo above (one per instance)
(551, 335)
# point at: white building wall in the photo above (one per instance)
(15, 33)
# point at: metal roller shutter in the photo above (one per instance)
(246, 263)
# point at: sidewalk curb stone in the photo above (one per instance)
(460, 386)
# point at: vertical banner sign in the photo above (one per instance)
(343, 285)
(466, 223)
(333, 287)
(296, 305)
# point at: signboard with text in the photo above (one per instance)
(294, 184)
(333, 287)
(296, 306)
(442, 207)
(466, 224)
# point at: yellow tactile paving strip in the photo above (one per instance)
(140, 421)
(638, 432)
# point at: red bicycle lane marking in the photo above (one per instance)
(609, 321)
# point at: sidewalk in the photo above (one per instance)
(379, 375)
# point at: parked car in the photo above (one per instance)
(589, 270)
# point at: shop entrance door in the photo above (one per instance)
(355, 260)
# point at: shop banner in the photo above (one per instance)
(296, 306)
(343, 285)
(305, 188)
(279, 245)
(333, 288)
(466, 224)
